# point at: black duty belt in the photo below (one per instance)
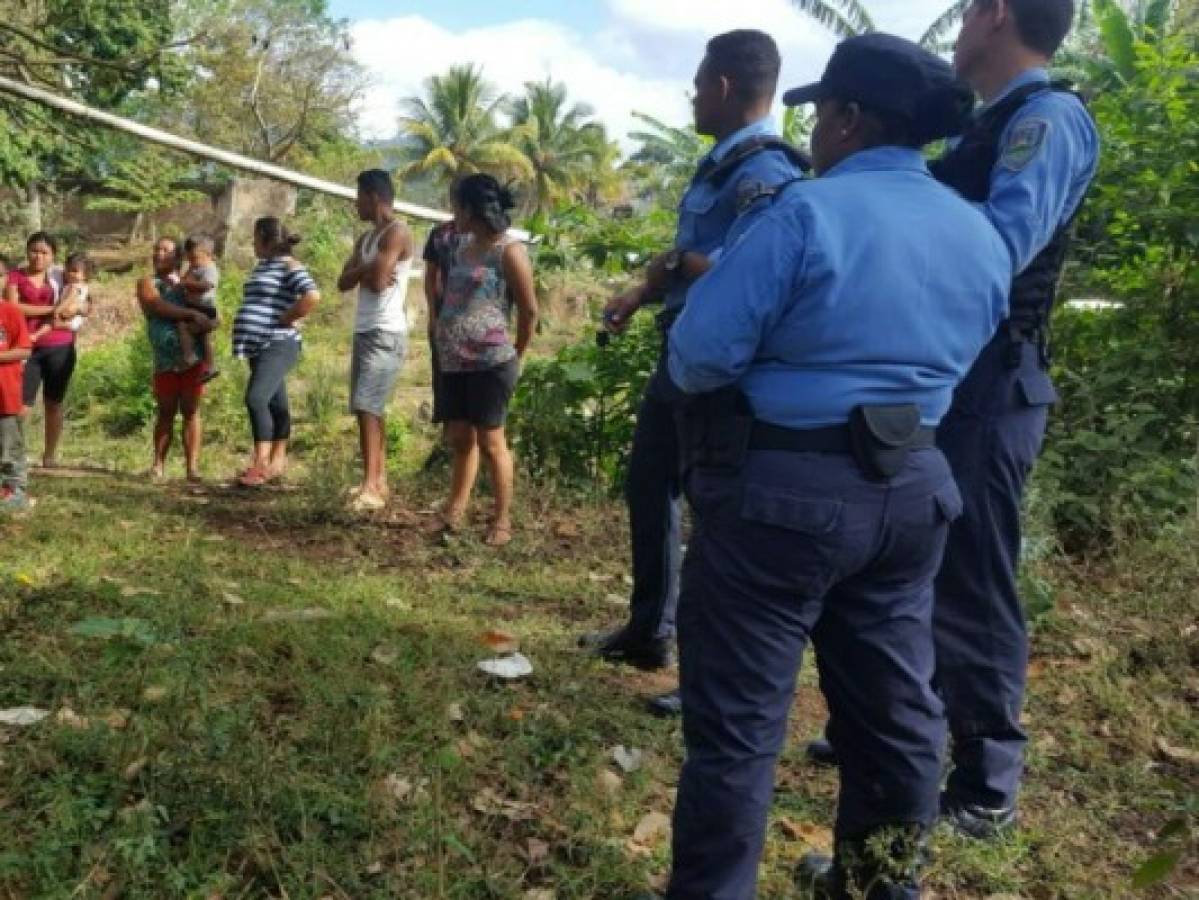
(833, 439)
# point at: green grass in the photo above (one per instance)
(293, 708)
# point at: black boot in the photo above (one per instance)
(822, 877)
(821, 753)
(667, 706)
(619, 646)
(981, 823)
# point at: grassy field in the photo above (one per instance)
(255, 694)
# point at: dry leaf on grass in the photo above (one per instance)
(540, 894)
(231, 599)
(489, 803)
(154, 694)
(567, 529)
(536, 851)
(1180, 756)
(117, 720)
(397, 603)
(815, 836)
(652, 827)
(135, 768)
(400, 789)
(385, 656)
(455, 714)
(71, 719)
(608, 782)
(131, 591)
(500, 641)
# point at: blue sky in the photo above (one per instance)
(615, 55)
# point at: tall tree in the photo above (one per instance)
(558, 139)
(454, 129)
(278, 78)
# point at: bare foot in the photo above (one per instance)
(451, 519)
(194, 478)
(157, 473)
(499, 534)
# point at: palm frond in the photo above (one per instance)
(844, 18)
(934, 37)
(1119, 42)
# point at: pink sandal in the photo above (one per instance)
(253, 477)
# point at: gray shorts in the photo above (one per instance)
(375, 365)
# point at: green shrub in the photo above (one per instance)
(573, 415)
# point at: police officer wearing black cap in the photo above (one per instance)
(817, 357)
(1026, 160)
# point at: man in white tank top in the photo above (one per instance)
(378, 268)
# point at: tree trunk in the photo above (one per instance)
(136, 228)
(33, 206)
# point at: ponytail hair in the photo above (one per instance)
(276, 239)
(484, 198)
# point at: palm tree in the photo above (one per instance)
(935, 35)
(676, 150)
(556, 138)
(844, 18)
(453, 130)
(1101, 54)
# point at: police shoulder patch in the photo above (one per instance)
(1025, 142)
(749, 192)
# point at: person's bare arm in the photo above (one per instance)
(432, 293)
(518, 272)
(300, 309)
(154, 306)
(28, 310)
(658, 280)
(17, 355)
(351, 272)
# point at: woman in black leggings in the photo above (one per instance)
(277, 295)
(50, 367)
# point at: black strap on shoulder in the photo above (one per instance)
(723, 170)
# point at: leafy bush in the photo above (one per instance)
(1122, 450)
(573, 415)
(112, 385)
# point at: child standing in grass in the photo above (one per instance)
(199, 293)
(15, 348)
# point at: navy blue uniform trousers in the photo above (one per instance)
(653, 494)
(799, 546)
(991, 437)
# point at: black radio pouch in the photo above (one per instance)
(881, 437)
(714, 429)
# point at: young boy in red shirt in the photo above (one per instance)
(14, 350)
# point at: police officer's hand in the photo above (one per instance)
(620, 309)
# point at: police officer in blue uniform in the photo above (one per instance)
(1026, 161)
(734, 89)
(818, 356)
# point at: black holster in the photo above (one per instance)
(881, 437)
(714, 430)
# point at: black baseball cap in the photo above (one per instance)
(889, 74)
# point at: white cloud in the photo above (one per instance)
(401, 53)
(642, 59)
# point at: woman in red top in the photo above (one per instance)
(53, 359)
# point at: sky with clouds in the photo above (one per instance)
(616, 55)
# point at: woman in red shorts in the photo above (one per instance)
(53, 360)
(176, 388)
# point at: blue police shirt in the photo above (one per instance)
(873, 284)
(1048, 154)
(706, 211)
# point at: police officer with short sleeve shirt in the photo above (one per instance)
(734, 89)
(1026, 161)
(817, 358)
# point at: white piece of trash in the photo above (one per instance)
(22, 715)
(509, 668)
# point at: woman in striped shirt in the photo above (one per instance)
(277, 295)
